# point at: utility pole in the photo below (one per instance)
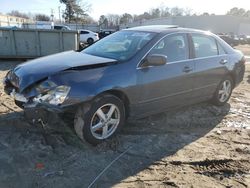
(59, 11)
(52, 15)
(52, 19)
(63, 19)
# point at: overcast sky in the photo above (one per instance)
(100, 7)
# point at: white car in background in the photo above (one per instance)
(87, 36)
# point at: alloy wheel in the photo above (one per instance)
(225, 91)
(105, 121)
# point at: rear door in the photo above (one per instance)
(84, 35)
(168, 85)
(211, 62)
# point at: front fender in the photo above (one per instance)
(87, 84)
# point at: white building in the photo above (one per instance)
(11, 21)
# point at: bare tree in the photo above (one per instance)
(113, 19)
(176, 11)
(187, 11)
(42, 17)
(18, 14)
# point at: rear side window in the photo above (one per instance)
(175, 47)
(58, 27)
(204, 46)
(84, 32)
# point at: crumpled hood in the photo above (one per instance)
(38, 69)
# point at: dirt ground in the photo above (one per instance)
(197, 146)
(244, 48)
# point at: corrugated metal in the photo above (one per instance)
(213, 23)
(31, 43)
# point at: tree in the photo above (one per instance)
(144, 16)
(176, 11)
(126, 18)
(205, 14)
(155, 13)
(247, 14)
(89, 20)
(187, 11)
(165, 12)
(75, 10)
(103, 21)
(236, 12)
(113, 19)
(18, 14)
(42, 17)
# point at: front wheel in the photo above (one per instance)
(100, 120)
(223, 92)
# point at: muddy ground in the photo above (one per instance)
(197, 146)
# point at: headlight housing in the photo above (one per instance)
(51, 93)
(45, 86)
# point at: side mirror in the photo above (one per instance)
(154, 60)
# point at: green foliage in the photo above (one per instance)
(239, 12)
(75, 10)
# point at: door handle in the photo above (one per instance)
(187, 69)
(223, 61)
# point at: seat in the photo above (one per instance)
(175, 51)
(204, 50)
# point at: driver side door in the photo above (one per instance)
(169, 85)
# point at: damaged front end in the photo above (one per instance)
(37, 98)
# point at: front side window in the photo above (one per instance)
(121, 45)
(174, 47)
(204, 46)
(221, 50)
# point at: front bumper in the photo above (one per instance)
(28, 103)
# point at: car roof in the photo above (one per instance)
(85, 30)
(165, 29)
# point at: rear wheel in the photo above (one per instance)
(100, 120)
(223, 92)
(90, 41)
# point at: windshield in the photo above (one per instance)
(121, 45)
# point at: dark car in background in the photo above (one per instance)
(62, 27)
(132, 73)
(230, 40)
(104, 33)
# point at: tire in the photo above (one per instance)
(90, 41)
(19, 104)
(223, 92)
(100, 120)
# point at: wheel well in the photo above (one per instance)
(232, 76)
(122, 96)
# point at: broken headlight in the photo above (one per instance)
(51, 93)
(45, 86)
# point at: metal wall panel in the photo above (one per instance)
(5, 43)
(31, 43)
